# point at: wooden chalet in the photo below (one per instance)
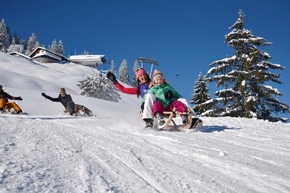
(44, 55)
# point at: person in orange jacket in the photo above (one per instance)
(5, 104)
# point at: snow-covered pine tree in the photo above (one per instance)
(24, 43)
(15, 47)
(201, 97)
(60, 49)
(17, 39)
(97, 85)
(4, 37)
(86, 52)
(32, 44)
(244, 76)
(135, 68)
(53, 46)
(123, 74)
(113, 68)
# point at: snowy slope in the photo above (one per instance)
(47, 151)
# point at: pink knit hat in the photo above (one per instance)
(140, 72)
(156, 74)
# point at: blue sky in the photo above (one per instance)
(185, 36)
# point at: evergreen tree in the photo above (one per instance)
(244, 76)
(124, 73)
(32, 44)
(53, 46)
(9, 35)
(86, 52)
(135, 68)
(15, 47)
(13, 41)
(201, 97)
(24, 43)
(113, 69)
(4, 37)
(17, 39)
(60, 49)
(98, 86)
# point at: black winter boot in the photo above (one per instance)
(148, 123)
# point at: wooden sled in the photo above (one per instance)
(193, 123)
(80, 111)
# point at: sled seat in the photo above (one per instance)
(167, 113)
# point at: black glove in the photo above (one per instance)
(18, 98)
(112, 77)
(169, 95)
(44, 95)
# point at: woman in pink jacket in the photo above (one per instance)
(143, 81)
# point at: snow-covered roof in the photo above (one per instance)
(20, 54)
(88, 59)
(41, 51)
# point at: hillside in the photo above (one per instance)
(47, 151)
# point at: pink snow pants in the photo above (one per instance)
(158, 108)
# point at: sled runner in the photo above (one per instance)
(193, 123)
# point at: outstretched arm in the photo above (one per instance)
(111, 76)
(50, 98)
(126, 90)
(6, 95)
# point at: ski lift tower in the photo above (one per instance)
(151, 61)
